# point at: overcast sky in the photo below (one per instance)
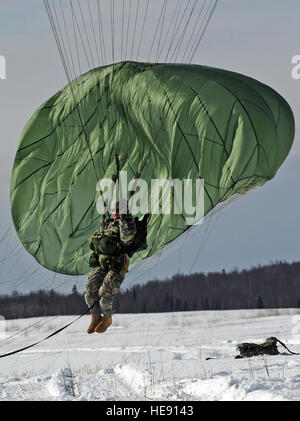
(254, 37)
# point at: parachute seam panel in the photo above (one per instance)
(237, 181)
(254, 131)
(58, 155)
(77, 104)
(176, 120)
(263, 110)
(28, 176)
(61, 153)
(260, 95)
(84, 215)
(183, 136)
(54, 210)
(209, 116)
(182, 132)
(214, 124)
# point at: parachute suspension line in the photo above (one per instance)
(142, 32)
(212, 220)
(101, 34)
(5, 240)
(181, 38)
(32, 268)
(103, 52)
(44, 318)
(134, 31)
(178, 46)
(148, 263)
(94, 33)
(89, 47)
(14, 254)
(20, 278)
(26, 329)
(176, 35)
(122, 31)
(169, 27)
(208, 229)
(72, 77)
(64, 51)
(68, 38)
(17, 281)
(69, 47)
(161, 29)
(174, 23)
(41, 321)
(76, 24)
(81, 37)
(74, 21)
(193, 32)
(204, 240)
(164, 253)
(179, 261)
(68, 73)
(76, 42)
(63, 43)
(56, 36)
(158, 37)
(85, 51)
(128, 24)
(186, 237)
(157, 27)
(112, 28)
(204, 30)
(7, 233)
(86, 36)
(176, 28)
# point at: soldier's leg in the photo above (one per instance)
(93, 284)
(110, 286)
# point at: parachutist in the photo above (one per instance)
(116, 240)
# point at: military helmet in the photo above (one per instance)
(120, 206)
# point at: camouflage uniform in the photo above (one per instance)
(105, 280)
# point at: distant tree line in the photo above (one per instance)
(272, 286)
(41, 303)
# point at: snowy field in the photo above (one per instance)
(158, 356)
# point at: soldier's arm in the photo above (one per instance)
(127, 229)
(91, 241)
(91, 244)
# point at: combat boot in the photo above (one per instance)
(104, 324)
(96, 319)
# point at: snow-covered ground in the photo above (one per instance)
(159, 356)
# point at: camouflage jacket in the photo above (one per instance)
(113, 234)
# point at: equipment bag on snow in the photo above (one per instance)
(268, 347)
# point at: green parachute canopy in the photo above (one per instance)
(166, 121)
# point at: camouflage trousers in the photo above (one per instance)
(101, 287)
